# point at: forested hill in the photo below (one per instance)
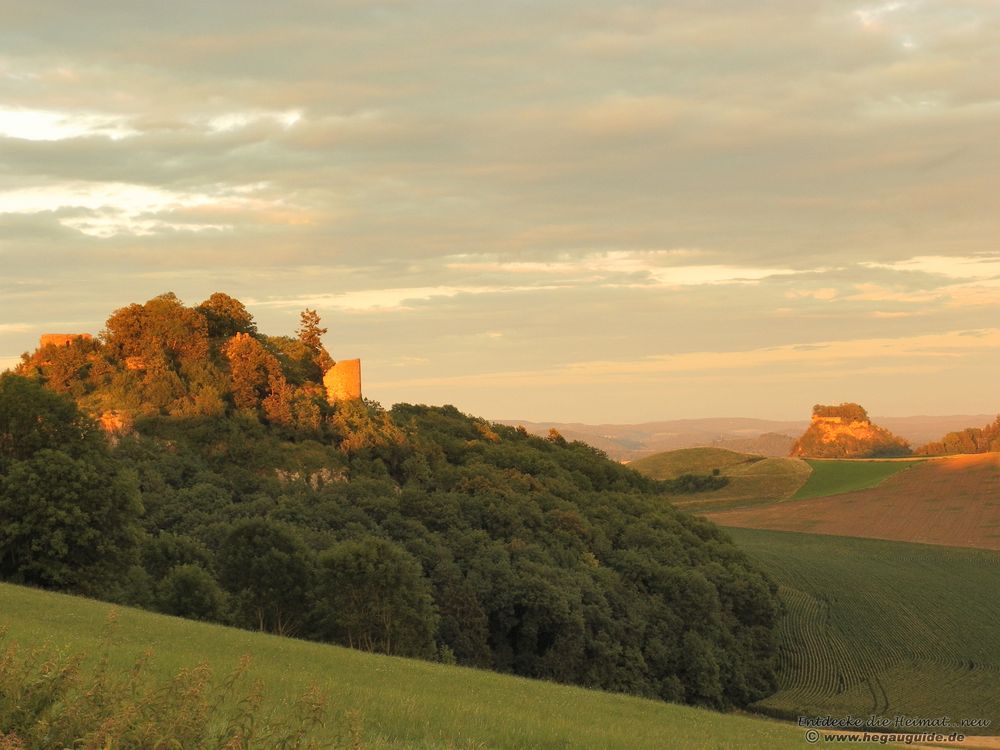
(417, 531)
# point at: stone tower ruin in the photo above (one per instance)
(343, 381)
(61, 339)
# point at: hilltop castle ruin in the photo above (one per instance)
(61, 339)
(343, 381)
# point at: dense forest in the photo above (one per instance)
(225, 487)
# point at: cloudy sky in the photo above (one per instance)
(547, 209)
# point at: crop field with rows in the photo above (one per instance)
(884, 628)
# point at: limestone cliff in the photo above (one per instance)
(845, 431)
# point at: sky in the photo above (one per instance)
(568, 210)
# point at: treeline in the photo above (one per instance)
(970, 440)
(417, 531)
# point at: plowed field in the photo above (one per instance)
(954, 501)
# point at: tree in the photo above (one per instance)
(256, 373)
(267, 568)
(161, 328)
(189, 591)
(67, 524)
(33, 418)
(378, 598)
(311, 334)
(226, 316)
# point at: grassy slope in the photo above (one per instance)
(883, 627)
(753, 479)
(403, 703)
(671, 464)
(834, 477)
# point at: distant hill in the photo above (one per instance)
(745, 435)
(632, 441)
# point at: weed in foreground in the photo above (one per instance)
(52, 700)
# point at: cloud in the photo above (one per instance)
(656, 267)
(386, 300)
(46, 125)
(238, 120)
(931, 352)
(580, 177)
(983, 266)
(106, 209)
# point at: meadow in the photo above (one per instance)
(387, 702)
(753, 480)
(885, 628)
(835, 477)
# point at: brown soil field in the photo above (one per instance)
(953, 501)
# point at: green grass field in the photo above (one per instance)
(883, 627)
(834, 477)
(753, 480)
(401, 703)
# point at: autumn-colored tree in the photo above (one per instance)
(226, 316)
(253, 369)
(278, 403)
(162, 329)
(64, 369)
(311, 334)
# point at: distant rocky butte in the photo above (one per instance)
(845, 431)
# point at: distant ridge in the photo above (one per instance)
(744, 434)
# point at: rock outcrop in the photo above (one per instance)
(845, 431)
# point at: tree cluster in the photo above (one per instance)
(69, 512)
(164, 358)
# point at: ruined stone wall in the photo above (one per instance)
(61, 339)
(827, 420)
(343, 381)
